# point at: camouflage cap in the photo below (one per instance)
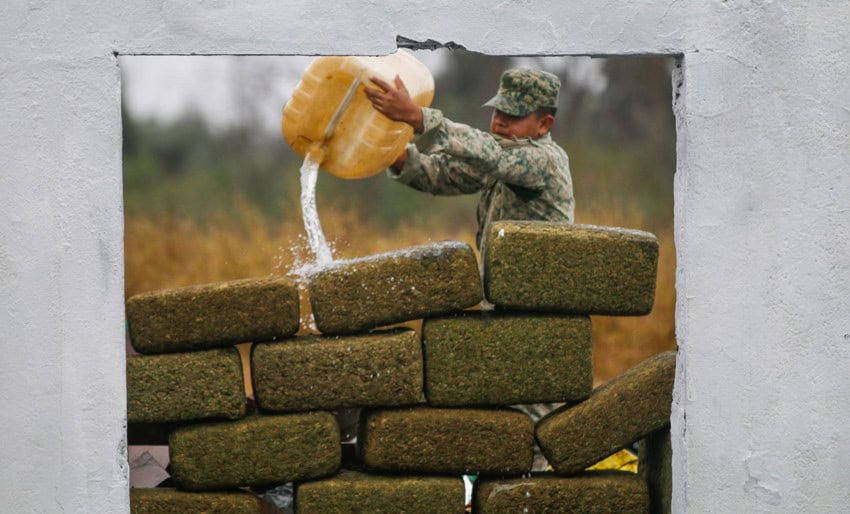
(523, 91)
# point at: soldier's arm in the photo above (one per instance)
(525, 166)
(446, 148)
(447, 158)
(438, 174)
(444, 136)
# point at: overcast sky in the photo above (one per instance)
(223, 88)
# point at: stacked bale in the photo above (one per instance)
(352, 491)
(599, 492)
(198, 397)
(433, 408)
(582, 269)
(542, 270)
(189, 380)
(424, 281)
(618, 413)
(447, 441)
(656, 454)
(167, 500)
(213, 315)
(314, 373)
(410, 456)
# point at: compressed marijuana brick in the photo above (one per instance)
(352, 491)
(255, 451)
(170, 501)
(325, 373)
(485, 358)
(185, 386)
(447, 441)
(656, 467)
(593, 492)
(429, 280)
(213, 315)
(618, 413)
(582, 269)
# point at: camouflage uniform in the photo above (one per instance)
(520, 179)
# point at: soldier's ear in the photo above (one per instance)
(544, 123)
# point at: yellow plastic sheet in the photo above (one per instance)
(623, 460)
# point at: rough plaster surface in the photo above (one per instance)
(762, 402)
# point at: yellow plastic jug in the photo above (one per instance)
(330, 117)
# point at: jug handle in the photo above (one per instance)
(343, 105)
(316, 151)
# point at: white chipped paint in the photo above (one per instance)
(762, 400)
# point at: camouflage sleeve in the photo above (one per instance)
(448, 158)
(523, 164)
(439, 174)
(453, 158)
(443, 136)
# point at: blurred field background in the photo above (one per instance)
(205, 202)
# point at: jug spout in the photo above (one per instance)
(316, 152)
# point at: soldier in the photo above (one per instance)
(521, 173)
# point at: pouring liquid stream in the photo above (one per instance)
(315, 235)
(309, 176)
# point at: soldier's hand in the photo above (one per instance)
(395, 102)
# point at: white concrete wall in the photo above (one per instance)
(762, 404)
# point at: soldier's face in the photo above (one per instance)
(508, 126)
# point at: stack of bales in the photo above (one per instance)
(433, 409)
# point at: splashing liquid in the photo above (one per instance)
(315, 235)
